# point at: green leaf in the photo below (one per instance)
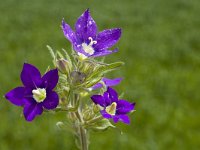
(100, 70)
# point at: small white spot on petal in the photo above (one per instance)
(90, 22)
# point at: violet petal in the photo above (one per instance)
(123, 118)
(111, 82)
(51, 101)
(105, 114)
(98, 99)
(69, 33)
(112, 94)
(97, 86)
(107, 82)
(124, 107)
(31, 110)
(85, 27)
(16, 96)
(79, 49)
(107, 98)
(107, 38)
(30, 76)
(104, 52)
(50, 79)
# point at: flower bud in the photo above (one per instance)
(87, 115)
(96, 108)
(77, 77)
(64, 66)
(88, 67)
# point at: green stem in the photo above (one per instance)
(83, 138)
(82, 132)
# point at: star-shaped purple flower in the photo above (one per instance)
(113, 107)
(86, 40)
(107, 82)
(36, 93)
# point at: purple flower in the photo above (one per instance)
(113, 107)
(107, 82)
(36, 93)
(87, 41)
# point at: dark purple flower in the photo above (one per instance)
(107, 82)
(87, 41)
(113, 107)
(36, 93)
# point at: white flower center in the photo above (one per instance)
(111, 109)
(88, 47)
(39, 94)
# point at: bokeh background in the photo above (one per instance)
(160, 45)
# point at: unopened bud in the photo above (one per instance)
(87, 115)
(96, 108)
(77, 77)
(88, 67)
(64, 66)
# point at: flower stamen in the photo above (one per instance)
(111, 109)
(92, 41)
(88, 47)
(39, 94)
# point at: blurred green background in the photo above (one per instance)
(160, 46)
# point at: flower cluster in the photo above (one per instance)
(76, 86)
(87, 42)
(37, 93)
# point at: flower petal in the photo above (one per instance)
(30, 76)
(16, 96)
(85, 27)
(97, 86)
(31, 110)
(124, 107)
(107, 38)
(112, 94)
(123, 118)
(111, 82)
(69, 33)
(50, 79)
(107, 98)
(51, 101)
(98, 99)
(104, 53)
(105, 114)
(79, 48)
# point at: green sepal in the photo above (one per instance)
(101, 125)
(101, 69)
(53, 55)
(67, 56)
(93, 82)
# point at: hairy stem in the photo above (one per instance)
(82, 132)
(83, 138)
